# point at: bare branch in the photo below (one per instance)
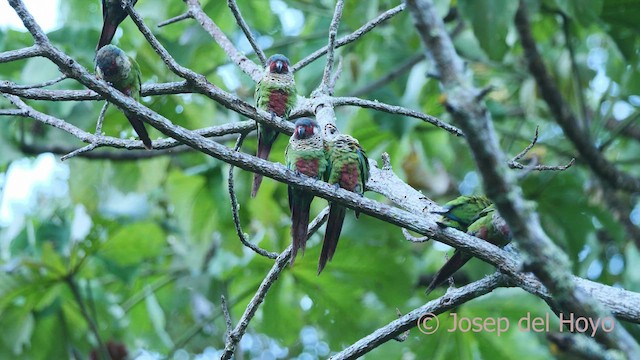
(84, 149)
(335, 76)
(563, 114)
(412, 238)
(393, 109)
(24, 53)
(236, 215)
(43, 84)
(545, 259)
(176, 19)
(247, 32)
(220, 130)
(281, 262)
(331, 46)
(515, 164)
(424, 317)
(243, 62)
(103, 111)
(351, 37)
(227, 317)
(12, 112)
(73, 286)
(180, 87)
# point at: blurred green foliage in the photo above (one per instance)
(162, 249)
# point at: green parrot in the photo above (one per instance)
(348, 169)
(485, 224)
(120, 70)
(305, 155)
(112, 15)
(460, 212)
(275, 93)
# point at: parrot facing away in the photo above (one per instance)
(112, 15)
(120, 70)
(485, 224)
(460, 212)
(304, 155)
(276, 94)
(348, 169)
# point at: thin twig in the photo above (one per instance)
(236, 334)
(170, 88)
(281, 262)
(236, 215)
(101, 118)
(77, 152)
(335, 76)
(247, 32)
(43, 84)
(244, 63)
(351, 37)
(515, 164)
(393, 109)
(423, 317)
(24, 53)
(412, 238)
(331, 46)
(184, 16)
(227, 317)
(102, 350)
(563, 114)
(405, 335)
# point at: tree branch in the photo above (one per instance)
(326, 88)
(544, 258)
(515, 164)
(351, 37)
(563, 115)
(247, 32)
(424, 317)
(244, 63)
(24, 53)
(393, 109)
(236, 215)
(281, 262)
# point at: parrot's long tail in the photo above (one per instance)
(108, 30)
(299, 224)
(138, 126)
(332, 234)
(458, 259)
(264, 148)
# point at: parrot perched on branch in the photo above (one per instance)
(112, 15)
(276, 94)
(476, 216)
(348, 169)
(120, 70)
(305, 155)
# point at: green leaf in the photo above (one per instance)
(583, 11)
(18, 325)
(490, 20)
(134, 243)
